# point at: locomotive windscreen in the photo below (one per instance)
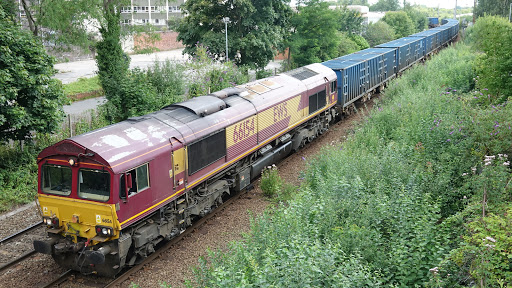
(206, 151)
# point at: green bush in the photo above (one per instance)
(376, 202)
(208, 76)
(271, 183)
(493, 36)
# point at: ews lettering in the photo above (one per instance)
(280, 112)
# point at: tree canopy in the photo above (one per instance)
(30, 100)
(315, 34)
(492, 7)
(386, 5)
(400, 22)
(256, 28)
(378, 33)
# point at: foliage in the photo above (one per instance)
(492, 7)
(113, 64)
(314, 39)
(350, 21)
(360, 41)
(9, 9)
(378, 200)
(82, 85)
(30, 100)
(145, 91)
(378, 33)
(61, 21)
(346, 45)
(493, 36)
(418, 18)
(386, 5)
(271, 183)
(256, 30)
(208, 75)
(400, 22)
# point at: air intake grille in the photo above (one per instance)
(302, 73)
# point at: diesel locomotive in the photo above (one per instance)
(108, 197)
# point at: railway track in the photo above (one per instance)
(9, 261)
(71, 275)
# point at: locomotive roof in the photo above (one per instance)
(129, 143)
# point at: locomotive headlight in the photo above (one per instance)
(104, 231)
(51, 221)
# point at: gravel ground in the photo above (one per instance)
(175, 266)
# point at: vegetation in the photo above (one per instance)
(30, 100)
(83, 86)
(492, 7)
(426, 177)
(321, 33)
(400, 22)
(256, 30)
(207, 75)
(494, 66)
(310, 42)
(386, 5)
(378, 33)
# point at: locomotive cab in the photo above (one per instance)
(76, 204)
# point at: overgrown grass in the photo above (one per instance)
(385, 207)
(83, 86)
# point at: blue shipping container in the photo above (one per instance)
(432, 40)
(410, 50)
(389, 66)
(351, 79)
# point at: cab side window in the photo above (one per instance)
(140, 180)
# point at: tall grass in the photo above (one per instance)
(382, 209)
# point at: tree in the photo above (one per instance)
(30, 100)
(349, 20)
(386, 5)
(378, 33)
(62, 21)
(492, 7)
(315, 34)
(493, 36)
(9, 8)
(419, 18)
(346, 44)
(112, 62)
(400, 22)
(256, 30)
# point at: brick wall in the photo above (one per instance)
(167, 41)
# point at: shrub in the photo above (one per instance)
(271, 183)
(493, 36)
(208, 75)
